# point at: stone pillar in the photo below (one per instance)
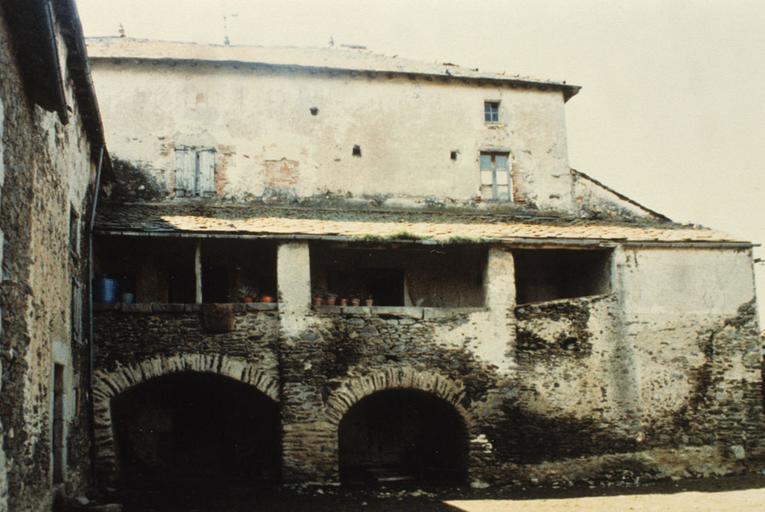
(500, 302)
(293, 276)
(309, 441)
(621, 368)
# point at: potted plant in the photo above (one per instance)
(355, 301)
(248, 294)
(266, 299)
(331, 299)
(369, 301)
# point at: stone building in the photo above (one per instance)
(514, 319)
(51, 154)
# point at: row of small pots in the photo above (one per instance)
(332, 300)
(265, 299)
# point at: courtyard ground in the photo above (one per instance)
(734, 494)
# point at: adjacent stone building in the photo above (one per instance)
(50, 156)
(437, 295)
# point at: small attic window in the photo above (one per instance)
(491, 111)
(356, 150)
(453, 155)
(314, 111)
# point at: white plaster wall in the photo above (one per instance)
(406, 130)
(670, 282)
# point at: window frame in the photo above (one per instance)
(491, 111)
(75, 232)
(496, 173)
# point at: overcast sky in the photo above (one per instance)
(672, 112)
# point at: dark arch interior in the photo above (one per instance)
(196, 428)
(402, 435)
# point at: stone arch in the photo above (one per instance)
(109, 384)
(352, 391)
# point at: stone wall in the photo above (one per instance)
(46, 169)
(565, 390)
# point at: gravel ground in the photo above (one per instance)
(734, 494)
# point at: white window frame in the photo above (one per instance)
(491, 111)
(493, 178)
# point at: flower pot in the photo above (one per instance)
(266, 299)
(369, 303)
(331, 300)
(343, 302)
(355, 302)
(318, 301)
(248, 299)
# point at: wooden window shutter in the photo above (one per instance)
(206, 176)
(185, 170)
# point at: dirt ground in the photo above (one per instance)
(734, 494)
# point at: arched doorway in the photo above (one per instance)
(196, 428)
(402, 435)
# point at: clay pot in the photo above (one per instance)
(331, 300)
(248, 299)
(343, 302)
(369, 302)
(318, 301)
(266, 299)
(355, 302)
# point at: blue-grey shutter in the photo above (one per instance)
(206, 176)
(185, 171)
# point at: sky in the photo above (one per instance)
(672, 110)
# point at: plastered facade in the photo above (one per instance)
(269, 144)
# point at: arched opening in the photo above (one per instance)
(196, 428)
(402, 435)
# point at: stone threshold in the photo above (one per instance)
(416, 312)
(157, 307)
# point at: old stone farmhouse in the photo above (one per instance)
(330, 266)
(513, 317)
(51, 155)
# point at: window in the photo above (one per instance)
(194, 172)
(495, 177)
(76, 311)
(74, 232)
(549, 274)
(491, 111)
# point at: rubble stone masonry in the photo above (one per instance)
(572, 389)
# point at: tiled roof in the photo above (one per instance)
(280, 222)
(338, 58)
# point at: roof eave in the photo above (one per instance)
(568, 90)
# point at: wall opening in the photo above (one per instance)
(196, 429)
(58, 423)
(163, 270)
(402, 435)
(398, 275)
(550, 274)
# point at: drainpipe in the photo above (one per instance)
(91, 276)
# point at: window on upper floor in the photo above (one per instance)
(495, 177)
(194, 172)
(491, 111)
(74, 232)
